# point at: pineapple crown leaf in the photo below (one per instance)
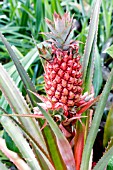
(53, 37)
(60, 28)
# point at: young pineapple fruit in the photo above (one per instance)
(63, 77)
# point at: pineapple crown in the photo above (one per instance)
(61, 30)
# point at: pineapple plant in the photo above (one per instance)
(63, 73)
(63, 70)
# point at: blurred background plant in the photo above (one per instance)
(21, 20)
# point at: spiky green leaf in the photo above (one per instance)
(19, 106)
(91, 34)
(63, 144)
(24, 76)
(101, 165)
(20, 142)
(96, 122)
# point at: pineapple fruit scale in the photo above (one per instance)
(63, 76)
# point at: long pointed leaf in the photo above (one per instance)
(108, 128)
(26, 61)
(25, 17)
(38, 13)
(62, 142)
(42, 157)
(101, 165)
(14, 157)
(92, 30)
(19, 105)
(97, 80)
(20, 141)
(90, 68)
(53, 149)
(96, 122)
(24, 76)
